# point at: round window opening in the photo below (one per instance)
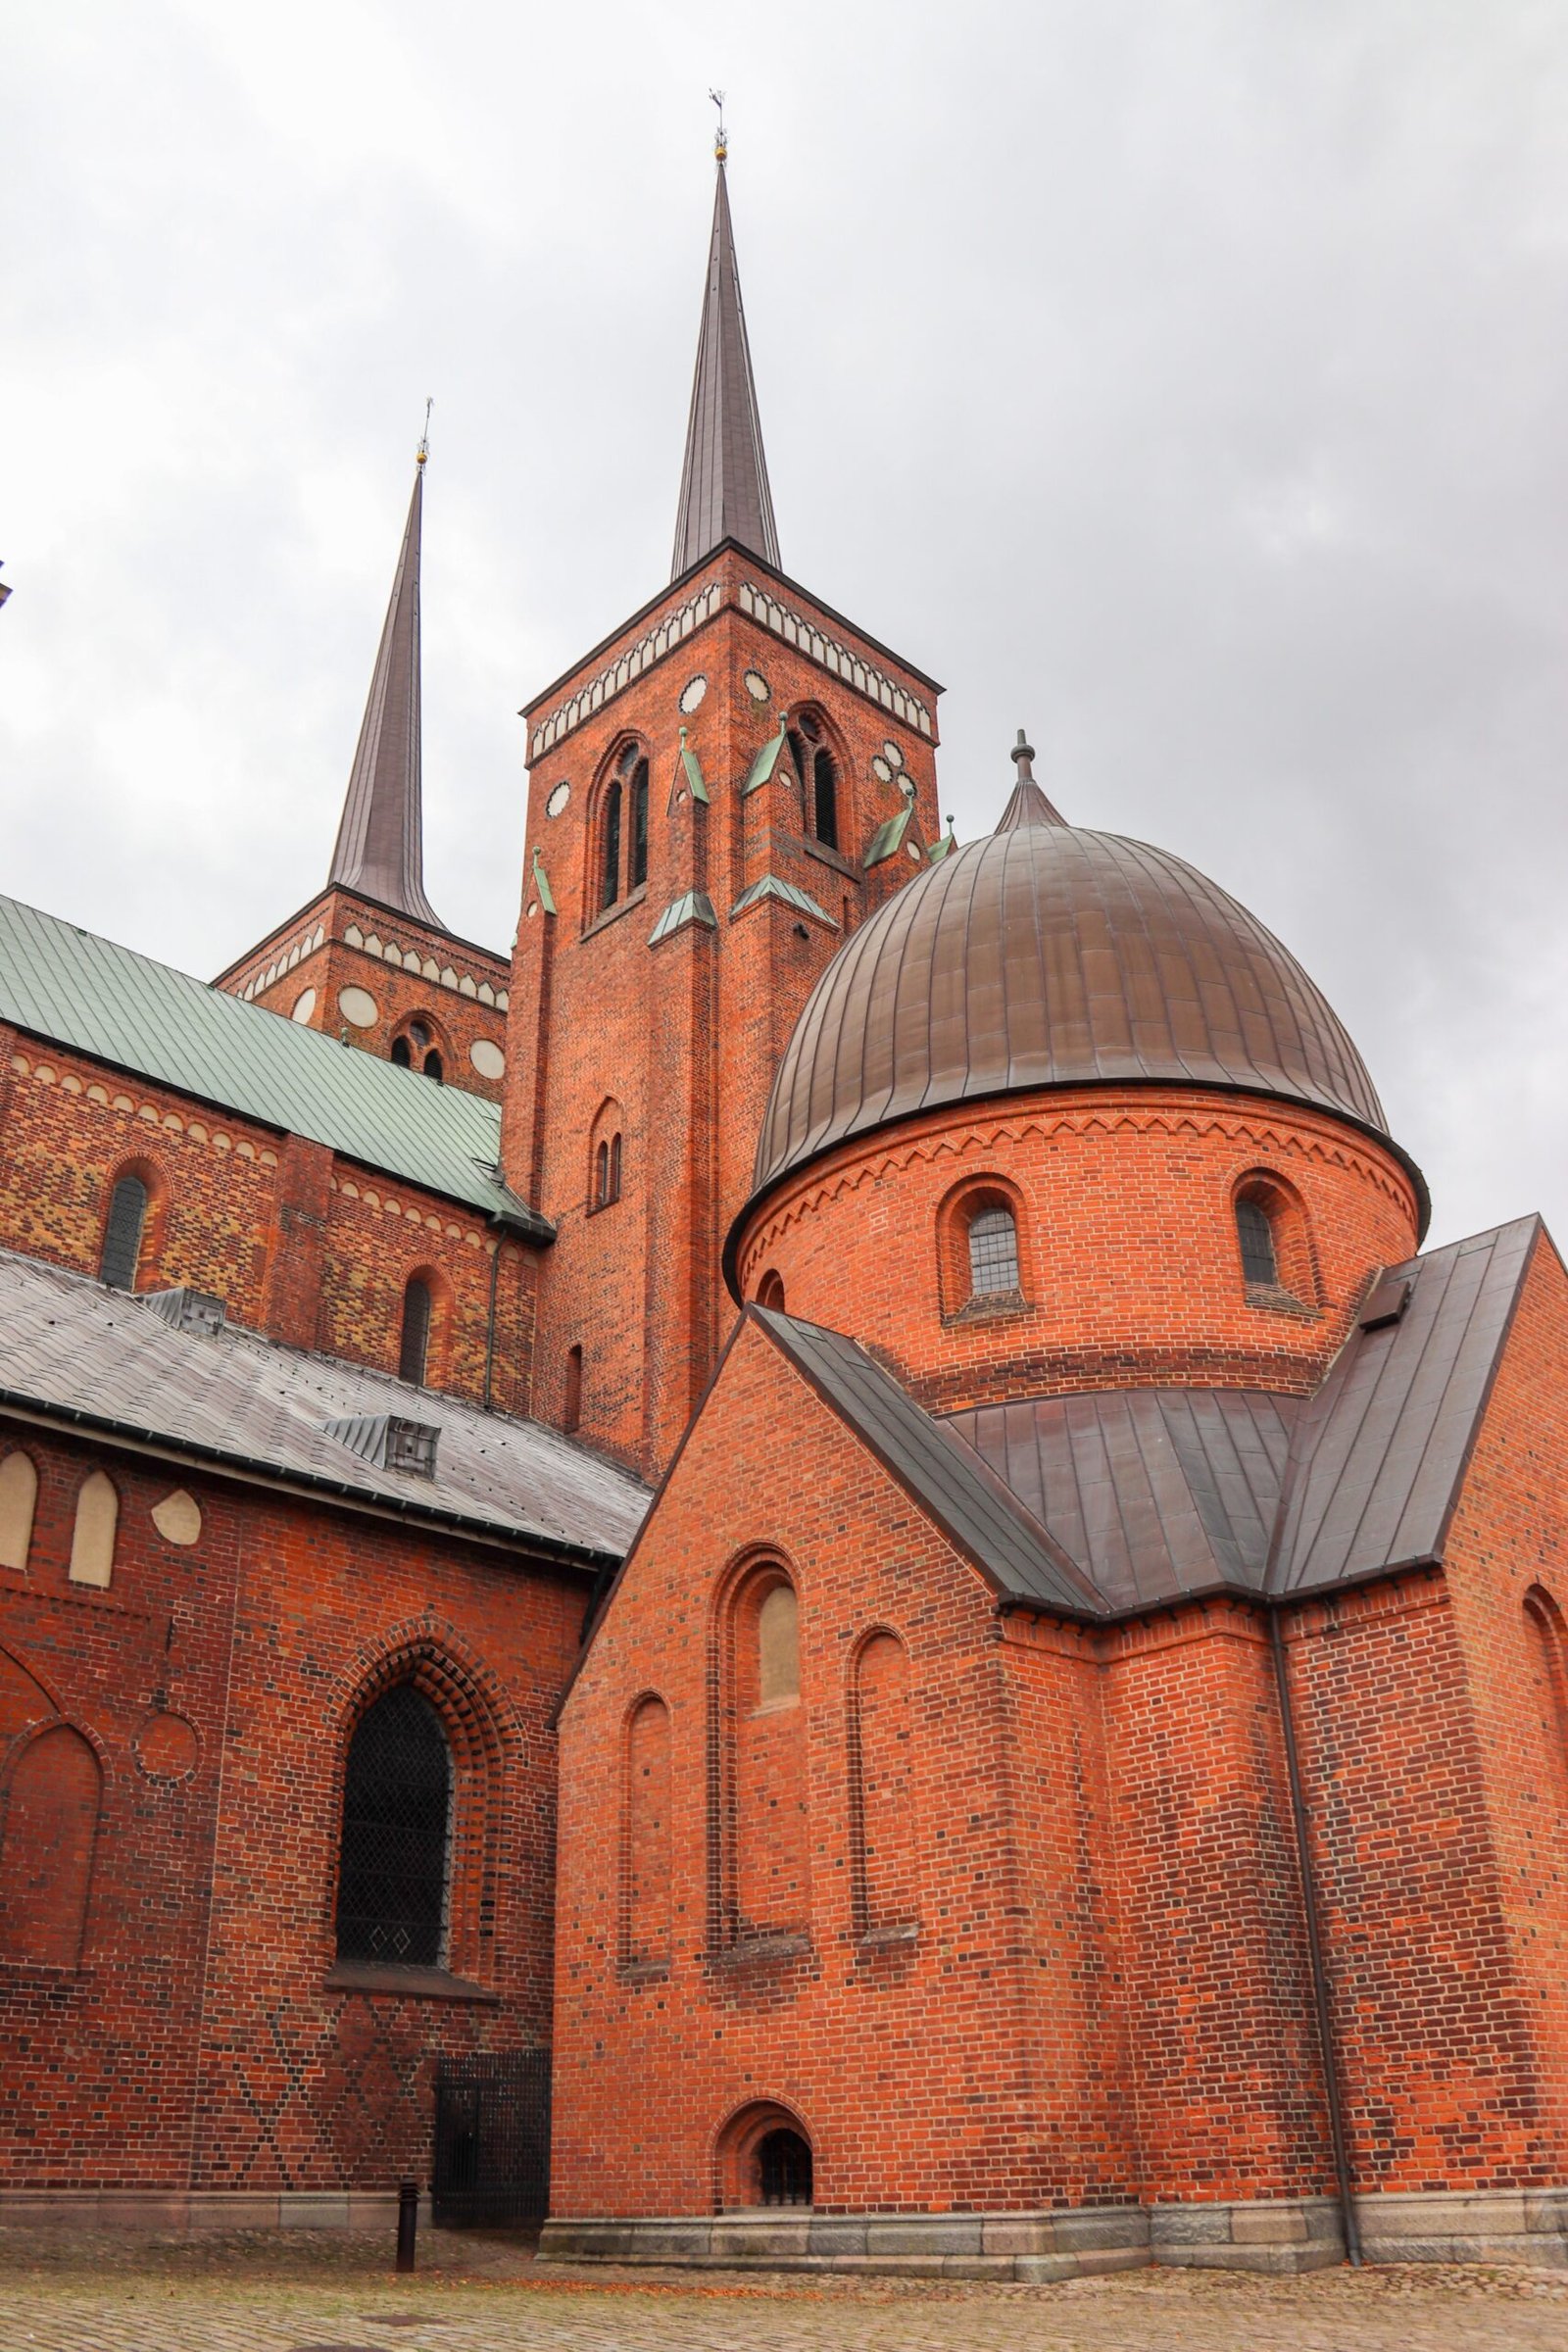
(757, 686)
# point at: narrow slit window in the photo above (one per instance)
(637, 859)
(571, 1408)
(601, 1175)
(826, 798)
(415, 1346)
(993, 1253)
(615, 1169)
(1256, 1234)
(122, 1232)
(609, 870)
(396, 1837)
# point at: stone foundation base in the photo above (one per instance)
(1279, 2234)
(182, 2212)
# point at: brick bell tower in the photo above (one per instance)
(720, 792)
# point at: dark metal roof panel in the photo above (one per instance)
(73, 1349)
(947, 1479)
(1380, 1453)
(380, 840)
(1050, 955)
(1155, 1492)
(80, 991)
(723, 489)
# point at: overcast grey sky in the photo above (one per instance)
(1186, 382)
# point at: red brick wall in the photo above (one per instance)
(312, 1249)
(458, 990)
(1434, 2022)
(911, 2060)
(684, 1036)
(1128, 1259)
(198, 2041)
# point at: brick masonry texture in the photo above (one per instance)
(181, 2031)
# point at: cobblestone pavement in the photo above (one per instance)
(336, 2295)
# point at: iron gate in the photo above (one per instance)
(492, 2139)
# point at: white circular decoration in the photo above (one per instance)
(357, 1007)
(557, 799)
(304, 1006)
(757, 686)
(692, 693)
(892, 754)
(487, 1059)
(881, 771)
(177, 1518)
(914, 850)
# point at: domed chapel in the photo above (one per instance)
(813, 1574)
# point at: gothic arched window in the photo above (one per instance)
(401, 1054)
(637, 856)
(993, 1253)
(122, 1232)
(610, 845)
(415, 1347)
(432, 1066)
(818, 772)
(783, 2169)
(396, 1836)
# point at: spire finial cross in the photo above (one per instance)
(721, 137)
(422, 454)
(1022, 756)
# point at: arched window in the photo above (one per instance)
(783, 2169)
(572, 1405)
(606, 1171)
(610, 845)
(51, 1826)
(401, 1054)
(993, 1253)
(770, 1292)
(1547, 1693)
(646, 1850)
(615, 1167)
(92, 1538)
(415, 1347)
(1255, 1232)
(397, 1817)
(818, 774)
(122, 1232)
(637, 859)
(432, 1066)
(778, 1648)
(19, 1496)
(763, 1841)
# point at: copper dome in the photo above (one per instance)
(1046, 955)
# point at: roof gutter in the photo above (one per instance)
(248, 1470)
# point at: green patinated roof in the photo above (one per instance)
(766, 760)
(770, 887)
(78, 990)
(888, 837)
(694, 908)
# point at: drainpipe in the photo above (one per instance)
(1314, 1947)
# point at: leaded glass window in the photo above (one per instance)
(397, 1821)
(992, 1253)
(1256, 1234)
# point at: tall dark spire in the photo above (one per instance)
(1027, 805)
(380, 848)
(723, 489)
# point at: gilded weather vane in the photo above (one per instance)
(721, 141)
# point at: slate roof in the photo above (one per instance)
(74, 989)
(105, 1359)
(1133, 1498)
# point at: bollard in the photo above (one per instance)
(408, 2222)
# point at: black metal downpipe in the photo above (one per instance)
(1314, 1947)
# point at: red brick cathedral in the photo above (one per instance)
(833, 1512)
